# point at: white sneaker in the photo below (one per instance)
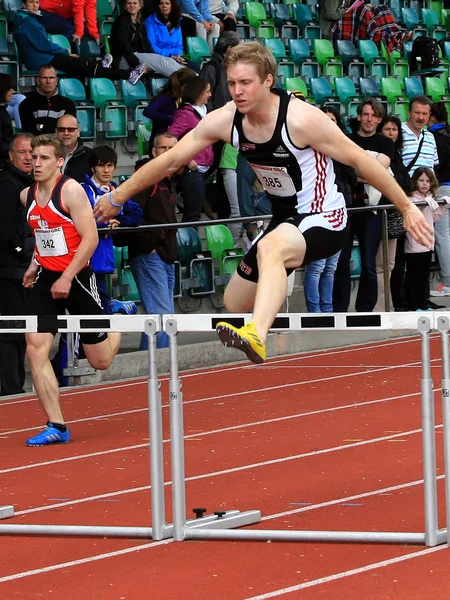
(441, 291)
(107, 61)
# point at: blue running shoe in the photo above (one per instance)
(50, 435)
(124, 308)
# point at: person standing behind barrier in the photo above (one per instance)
(16, 250)
(439, 127)
(366, 226)
(289, 143)
(59, 277)
(418, 257)
(391, 127)
(76, 163)
(205, 24)
(153, 253)
(192, 183)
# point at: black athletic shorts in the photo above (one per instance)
(322, 241)
(83, 299)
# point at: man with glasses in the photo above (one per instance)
(76, 163)
(42, 108)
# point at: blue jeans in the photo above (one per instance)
(155, 280)
(13, 109)
(318, 284)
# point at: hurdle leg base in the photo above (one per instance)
(231, 520)
(6, 512)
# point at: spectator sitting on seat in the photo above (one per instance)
(225, 20)
(41, 109)
(192, 183)
(361, 21)
(7, 85)
(130, 45)
(76, 163)
(205, 25)
(36, 50)
(164, 32)
(68, 17)
(102, 164)
(214, 71)
(152, 253)
(162, 107)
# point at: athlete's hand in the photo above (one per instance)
(415, 224)
(61, 287)
(30, 276)
(104, 210)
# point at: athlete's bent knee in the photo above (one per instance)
(236, 304)
(101, 363)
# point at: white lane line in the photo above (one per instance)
(225, 396)
(210, 432)
(83, 561)
(213, 371)
(343, 574)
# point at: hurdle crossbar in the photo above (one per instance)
(402, 322)
(151, 324)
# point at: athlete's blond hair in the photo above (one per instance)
(50, 139)
(253, 53)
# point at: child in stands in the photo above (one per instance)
(418, 257)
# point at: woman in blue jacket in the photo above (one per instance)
(35, 50)
(164, 33)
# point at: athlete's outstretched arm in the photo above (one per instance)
(215, 126)
(315, 129)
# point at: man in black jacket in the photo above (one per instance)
(76, 163)
(16, 250)
(42, 108)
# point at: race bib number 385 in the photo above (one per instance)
(275, 180)
(51, 242)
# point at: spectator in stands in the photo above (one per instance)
(36, 50)
(130, 45)
(319, 274)
(76, 163)
(365, 225)
(419, 145)
(102, 165)
(41, 109)
(16, 250)
(162, 107)
(13, 109)
(7, 86)
(214, 71)
(68, 18)
(362, 21)
(330, 11)
(152, 253)
(164, 33)
(192, 183)
(205, 24)
(439, 127)
(225, 20)
(391, 128)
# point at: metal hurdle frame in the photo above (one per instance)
(432, 535)
(117, 323)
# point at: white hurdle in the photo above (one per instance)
(119, 323)
(222, 527)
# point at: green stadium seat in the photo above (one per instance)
(322, 92)
(431, 21)
(355, 263)
(402, 111)
(86, 112)
(310, 30)
(445, 18)
(413, 87)
(135, 99)
(197, 48)
(113, 112)
(198, 263)
(390, 87)
(445, 48)
(410, 19)
(8, 62)
(258, 20)
(143, 138)
(219, 242)
(330, 64)
(3, 27)
(369, 87)
(286, 67)
(126, 288)
(156, 84)
(346, 91)
(60, 40)
(296, 84)
(435, 88)
(300, 54)
(376, 66)
(400, 70)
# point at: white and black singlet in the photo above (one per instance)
(300, 184)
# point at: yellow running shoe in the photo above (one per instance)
(245, 339)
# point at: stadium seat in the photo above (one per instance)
(257, 18)
(413, 87)
(8, 63)
(296, 84)
(198, 50)
(431, 21)
(434, 87)
(346, 91)
(143, 137)
(156, 84)
(126, 289)
(198, 264)
(86, 112)
(410, 19)
(135, 99)
(376, 66)
(286, 67)
(300, 54)
(353, 64)
(113, 112)
(369, 87)
(88, 48)
(390, 87)
(60, 40)
(282, 21)
(322, 92)
(219, 242)
(11, 7)
(310, 30)
(330, 64)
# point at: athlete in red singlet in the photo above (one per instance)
(59, 275)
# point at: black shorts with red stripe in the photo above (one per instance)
(83, 299)
(324, 233)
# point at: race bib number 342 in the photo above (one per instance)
(275, 180)
(51, 242)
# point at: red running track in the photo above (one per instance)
(326, 440)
